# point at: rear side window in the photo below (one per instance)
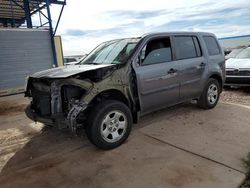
(187, 47)
(212, 45)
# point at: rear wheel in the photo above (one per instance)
(109, 124)
(210, 95)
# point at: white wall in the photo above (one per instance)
(235, 42)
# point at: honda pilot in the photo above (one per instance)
(124, 79)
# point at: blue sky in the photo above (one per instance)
(85, 24)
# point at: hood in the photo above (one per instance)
(238, 63)
(66, 71)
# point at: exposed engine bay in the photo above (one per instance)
(59, 99)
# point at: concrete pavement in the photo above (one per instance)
(179, 147)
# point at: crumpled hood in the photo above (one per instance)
(238, 63)
(66, 71)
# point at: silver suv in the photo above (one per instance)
(123, 79)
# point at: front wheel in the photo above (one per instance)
(210, 95)
(109, 124)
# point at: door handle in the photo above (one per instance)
(201, 66)
(172, 71)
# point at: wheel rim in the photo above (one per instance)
(212, 94)
(113, 126)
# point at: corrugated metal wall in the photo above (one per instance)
(22, 52)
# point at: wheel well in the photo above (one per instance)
(218, 78)
(112, 94)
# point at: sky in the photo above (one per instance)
(85, 24)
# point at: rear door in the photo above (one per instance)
(157, 75)
(192, 65)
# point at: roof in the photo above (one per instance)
(176, 33)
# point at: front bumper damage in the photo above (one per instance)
(30, 113)
(50, 106)
(73, 114)
(59, 121)
(57, 115)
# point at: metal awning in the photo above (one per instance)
(14, 12)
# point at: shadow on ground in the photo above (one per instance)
(53, 157)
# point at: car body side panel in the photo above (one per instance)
(215, 64)
(118, 80)
(156, 86)
(191, 74)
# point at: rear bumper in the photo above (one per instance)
(237, 80)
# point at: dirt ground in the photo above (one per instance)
(179, 147)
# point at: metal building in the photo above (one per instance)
(229, 43)
(25, 47)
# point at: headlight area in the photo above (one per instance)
(71, 95)
(73, 106)
(67, 105)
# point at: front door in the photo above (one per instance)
(157, 76)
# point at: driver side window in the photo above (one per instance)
(156, 51)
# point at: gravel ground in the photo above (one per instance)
(240, 95)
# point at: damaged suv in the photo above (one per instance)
(123, 79)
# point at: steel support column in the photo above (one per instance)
(26, 7)
(58, 20)
(51, 33)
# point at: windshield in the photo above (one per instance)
(111, 52)
(244, 54)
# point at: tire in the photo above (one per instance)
(109, 124)
(211, 94)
